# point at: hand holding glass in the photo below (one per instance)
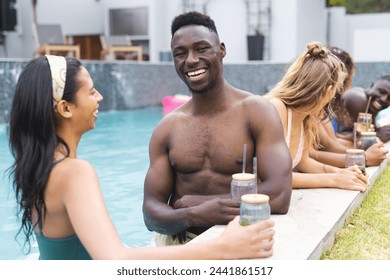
(356, 157)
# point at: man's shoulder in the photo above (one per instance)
(247, 96)
(255, 106)
(354, 92)
(169, 121)
(355, 99)
(257, 101)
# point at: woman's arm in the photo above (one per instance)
(236, 242)
(374, 156)
(334, 159)
(318, 175)
(328, 139)
(87, 212)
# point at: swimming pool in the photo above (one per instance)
(118, 149)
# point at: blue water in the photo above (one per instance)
(118, 149)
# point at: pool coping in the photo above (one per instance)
(315, 215)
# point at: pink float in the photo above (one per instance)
(171, 102)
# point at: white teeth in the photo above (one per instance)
(376, 105)
(196, 73)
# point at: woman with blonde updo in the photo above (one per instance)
(333, 144)
(300, 98)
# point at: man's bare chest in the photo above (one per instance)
(212, 145)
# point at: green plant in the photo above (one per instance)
(257, 30)
(365, 235)
(361, 6)
(337, 3)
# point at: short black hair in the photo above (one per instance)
(192, 18)
(386, 78)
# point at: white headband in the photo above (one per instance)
(58, 75)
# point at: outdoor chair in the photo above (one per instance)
(119, 47)
(49, 39)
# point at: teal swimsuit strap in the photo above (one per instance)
(58, 161)
(40, 203)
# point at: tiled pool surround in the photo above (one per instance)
(127, 85)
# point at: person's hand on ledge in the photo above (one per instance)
(376, 154)
(350, 178)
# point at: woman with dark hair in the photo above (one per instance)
(59, 196)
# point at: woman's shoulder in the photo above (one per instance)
(277, 103)
(70, 162)
(73, 167)
(69, 174)
(280, 107)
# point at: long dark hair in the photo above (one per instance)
(32, 136)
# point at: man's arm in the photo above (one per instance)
(158, 187)
(273, 156)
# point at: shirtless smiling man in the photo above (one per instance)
(195, 150)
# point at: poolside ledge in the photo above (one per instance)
(314, 217)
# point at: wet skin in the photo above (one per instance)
(195, 149)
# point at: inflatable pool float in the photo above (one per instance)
(171, 102)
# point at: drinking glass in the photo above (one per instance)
(364, 122)
(356, 157)
(242, 183)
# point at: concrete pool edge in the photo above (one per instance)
(314, 217)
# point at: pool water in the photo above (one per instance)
(118, 149)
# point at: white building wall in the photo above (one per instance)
(311, 23)
(230, 19)
(294, 24)
(284, 30)
(76, 17)
(365, 36)
(20, 43)
(369, 36)
(338, 28)
(162, 37)
(371, 44)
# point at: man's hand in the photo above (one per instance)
(208, 211)
(195, 200)
(383, 133)
(217, 211)
(376, 154)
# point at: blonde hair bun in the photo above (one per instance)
(316, 49)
